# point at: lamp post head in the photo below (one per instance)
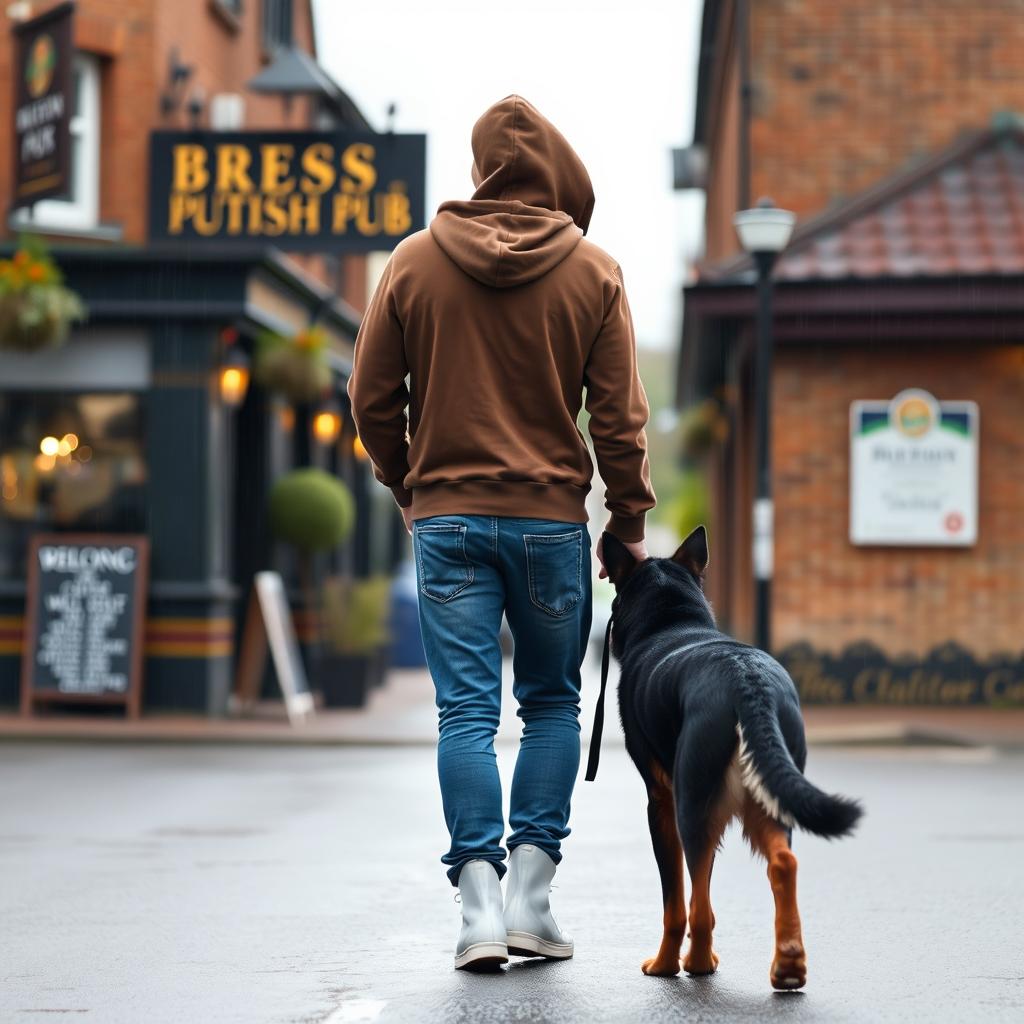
(765, 228)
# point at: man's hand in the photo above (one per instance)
(407, 518)
(638, 549)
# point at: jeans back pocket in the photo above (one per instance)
(554, 566)
(441, 563)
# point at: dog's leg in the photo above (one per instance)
(668, 851)
(771, 840)
(701, 957)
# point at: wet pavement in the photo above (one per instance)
(208, 884)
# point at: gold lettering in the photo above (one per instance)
(364, 224)
(233, 169)
(180, 209)
(357, 163)
(255, 204)
(236, 205)
(303, 208)
(344, 211)
(318, 171)
(275, 216)
(190, 172)
(276, 162)
(397, 215)
(203, 218)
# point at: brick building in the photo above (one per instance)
(890, 130)
(175, 461)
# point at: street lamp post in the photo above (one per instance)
(764, 232)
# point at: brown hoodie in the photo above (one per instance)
(501, 313)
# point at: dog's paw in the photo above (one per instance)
(789, 968)
(701, 962)
(660, 968)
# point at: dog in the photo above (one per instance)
(714, 728)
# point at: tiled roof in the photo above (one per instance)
(960, 212)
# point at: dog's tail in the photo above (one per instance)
(770, 775)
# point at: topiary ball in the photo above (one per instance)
(311, 509)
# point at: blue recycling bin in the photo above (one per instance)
(406, 642)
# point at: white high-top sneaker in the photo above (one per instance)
(482, 945)
(530, 928)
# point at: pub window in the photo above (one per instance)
(68, 462)
(81, 209)
(277, 24)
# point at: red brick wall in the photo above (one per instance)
(134, 39)
(847, 91)
(828, 592)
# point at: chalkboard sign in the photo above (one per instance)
(269, 619)
(84, 619)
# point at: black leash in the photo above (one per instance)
(595, 736)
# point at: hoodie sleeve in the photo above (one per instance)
(378, 391)
(618, 411)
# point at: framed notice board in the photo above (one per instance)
(84, 620)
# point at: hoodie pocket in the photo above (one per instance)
(442, 566)
(554, 566)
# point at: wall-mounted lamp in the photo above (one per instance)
(327, 422)
(178, 74)
(234, 377)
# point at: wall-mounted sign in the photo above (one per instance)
(43, 48)
(331, 191)
(83, 624)
(914, 471)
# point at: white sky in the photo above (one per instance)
(617, 79)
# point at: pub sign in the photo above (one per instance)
(914, 471)
(43, 49)
(312, 191)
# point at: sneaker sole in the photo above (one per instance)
(482, 956)
(525, 944)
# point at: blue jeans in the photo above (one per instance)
(470, 569)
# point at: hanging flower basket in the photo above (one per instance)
(36, 310)
(295, 366)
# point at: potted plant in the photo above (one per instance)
(355, 625)
(36, 310)
(294, 366)
(313, 511)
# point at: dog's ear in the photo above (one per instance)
(692, 554)
(618, 562)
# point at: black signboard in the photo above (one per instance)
(43, 48)
(84, 620)
(331, 191)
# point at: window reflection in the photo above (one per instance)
(68, 462)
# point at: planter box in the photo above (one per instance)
(344, 679)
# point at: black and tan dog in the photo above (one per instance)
(714, 728)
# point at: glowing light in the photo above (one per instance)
(234, 382)
(72, 441)
(49, 446)
(286, 417)
(358, 450)
(44, 463)
(85, 453)
(327, 424)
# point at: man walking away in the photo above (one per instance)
(487, 327)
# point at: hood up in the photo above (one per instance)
(532, 203)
